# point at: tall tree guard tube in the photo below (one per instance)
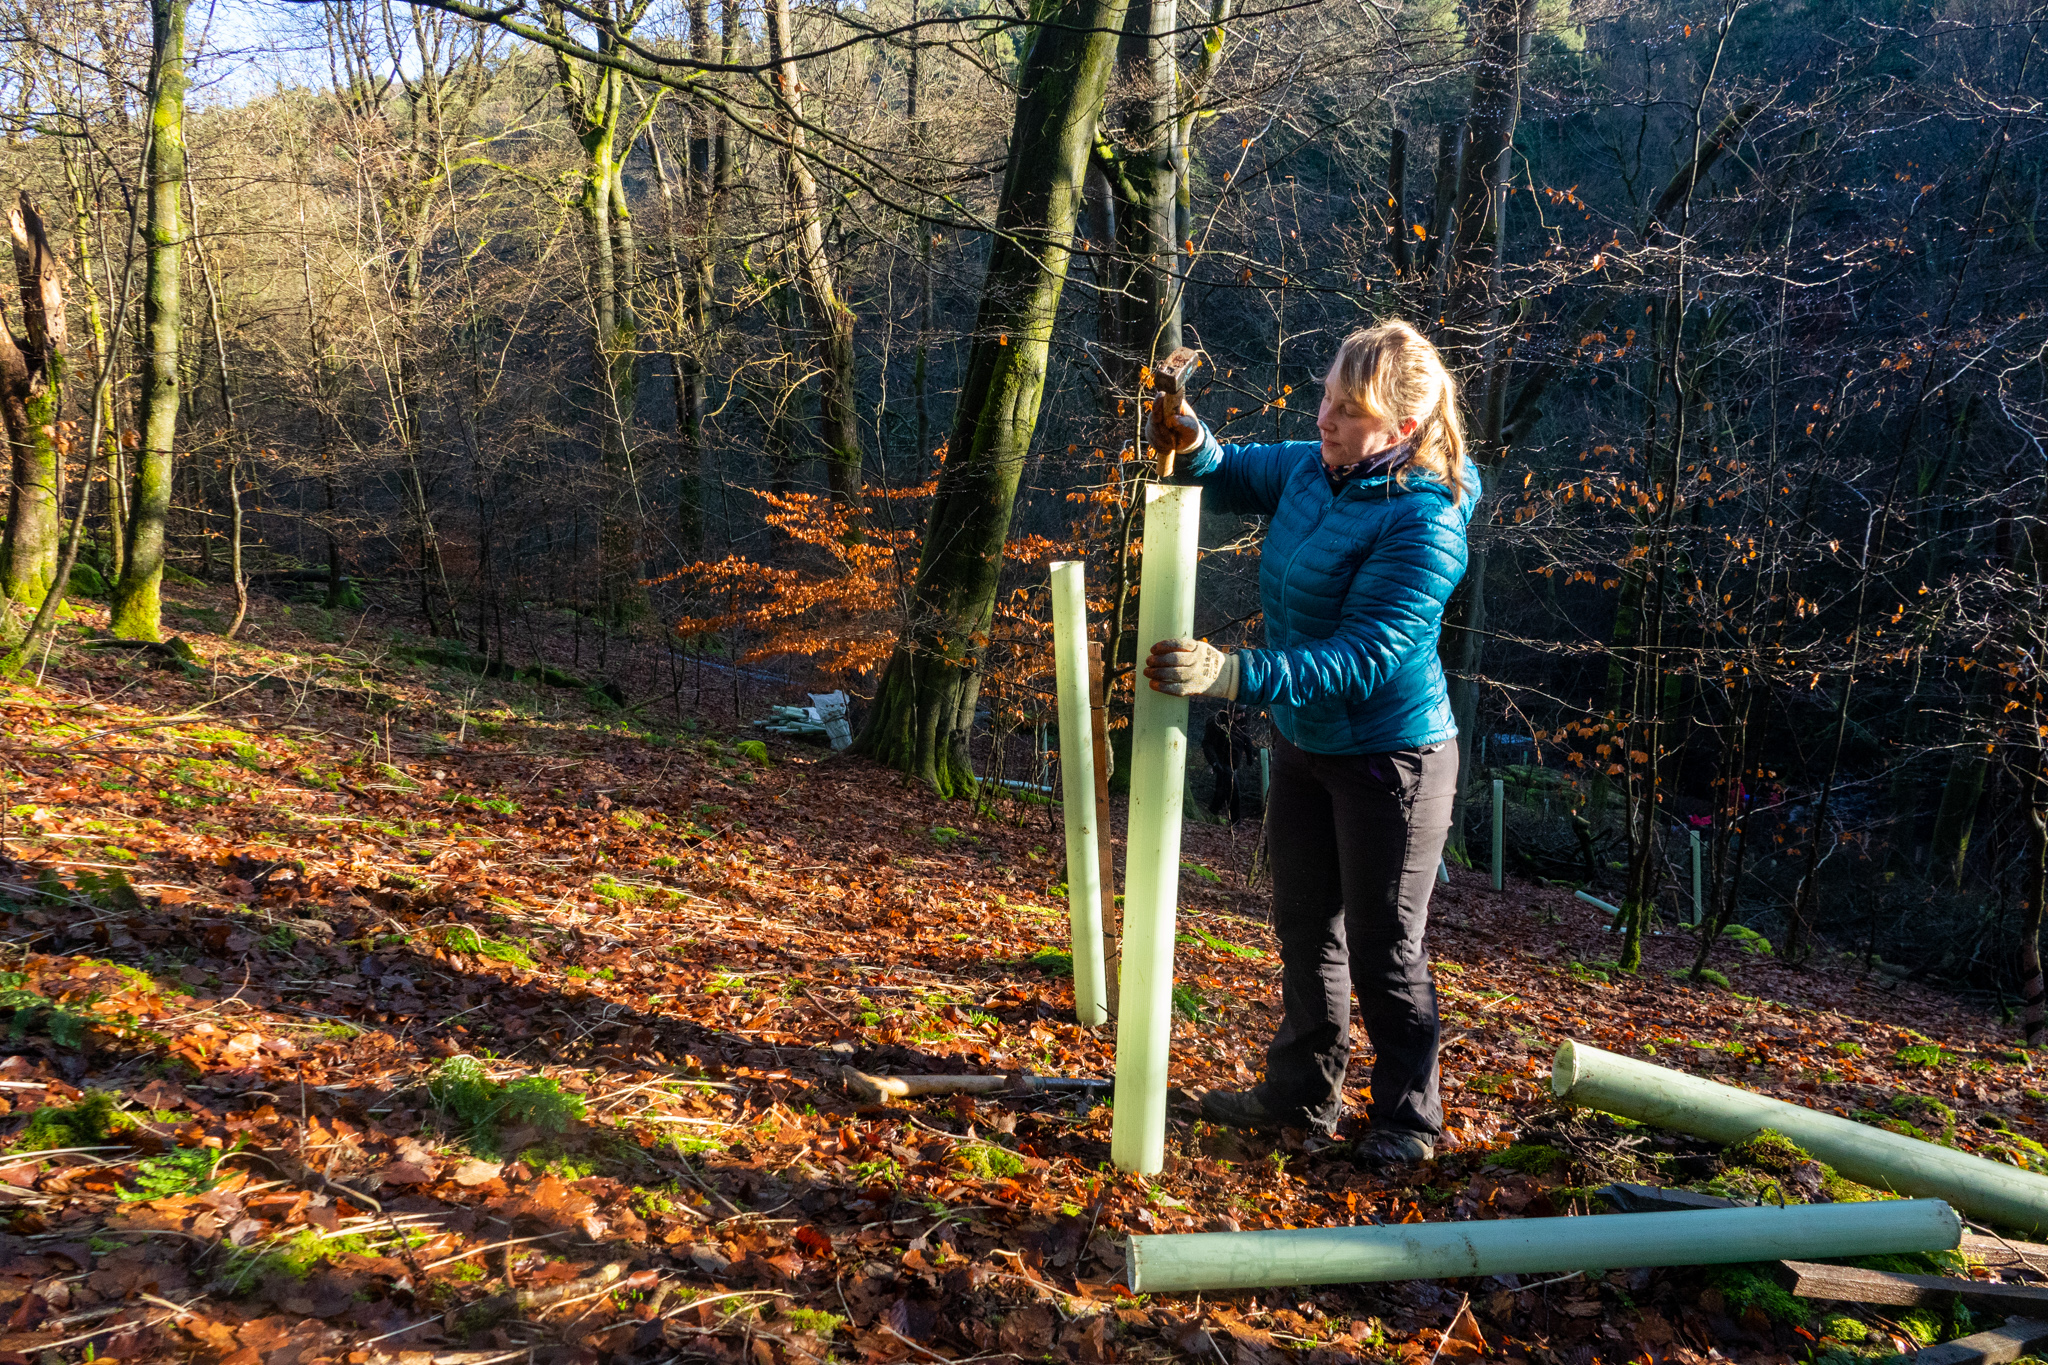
(1500, 804)
(1214, 1261)
(1985, 1190)
(1077, 788)
(1699, 898)
(1159, 756)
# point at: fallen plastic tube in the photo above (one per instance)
(1536, 1246)
(1985, 1190)
(1596, 901)
(1077, 783)
(1159, 757)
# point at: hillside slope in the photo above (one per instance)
(462, 1016)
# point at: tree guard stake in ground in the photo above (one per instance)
(1499, 813)
(1699, 899)
(1077, 789)
(1159, 756)
(1982, 1189)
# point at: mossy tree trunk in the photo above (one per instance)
(138, 600)
(31, 389)
(594, 100)
(922, 713)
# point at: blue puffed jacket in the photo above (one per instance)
(1353, 584)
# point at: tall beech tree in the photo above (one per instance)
(138, 602)
(921, 715)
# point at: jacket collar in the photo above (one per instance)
(1382, 465)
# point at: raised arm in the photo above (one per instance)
(1391, 617)
(1237, 478)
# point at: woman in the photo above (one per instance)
(1366, 542)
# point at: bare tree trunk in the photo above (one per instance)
(1398, 253)
(1142, 168)
(138, 599)
(236, 438)
(831, 322)
(1472, 267)
(84, 214)
(1646, 765)
(685, 370)
(920, 374)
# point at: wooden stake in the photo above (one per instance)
(1112, 918)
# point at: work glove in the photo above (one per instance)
(1192, 668)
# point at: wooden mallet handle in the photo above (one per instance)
(1170, 378)
(880, 1089)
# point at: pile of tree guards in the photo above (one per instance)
(1943, 1179)
(1988, 1191)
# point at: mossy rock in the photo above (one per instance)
(85, 581)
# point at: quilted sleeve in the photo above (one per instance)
(1392, 613)
(1240, 478)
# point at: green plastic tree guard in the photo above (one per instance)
(1699, 895)
(1077, 789)
(1159, 756)
(1215, 1261)
(1985, 1190)
(1500, 804)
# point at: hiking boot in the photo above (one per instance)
(1240, 1109)
(1384, 1147)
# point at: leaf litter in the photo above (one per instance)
(349, 1024)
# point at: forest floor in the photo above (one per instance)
(366, 1009)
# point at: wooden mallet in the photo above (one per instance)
(1169, 377)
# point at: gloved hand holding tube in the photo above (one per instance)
(1192, 668)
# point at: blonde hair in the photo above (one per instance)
(1394, 373)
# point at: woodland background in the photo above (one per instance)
(801, 337)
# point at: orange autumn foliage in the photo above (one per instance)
(840, 600)
(838, 597)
